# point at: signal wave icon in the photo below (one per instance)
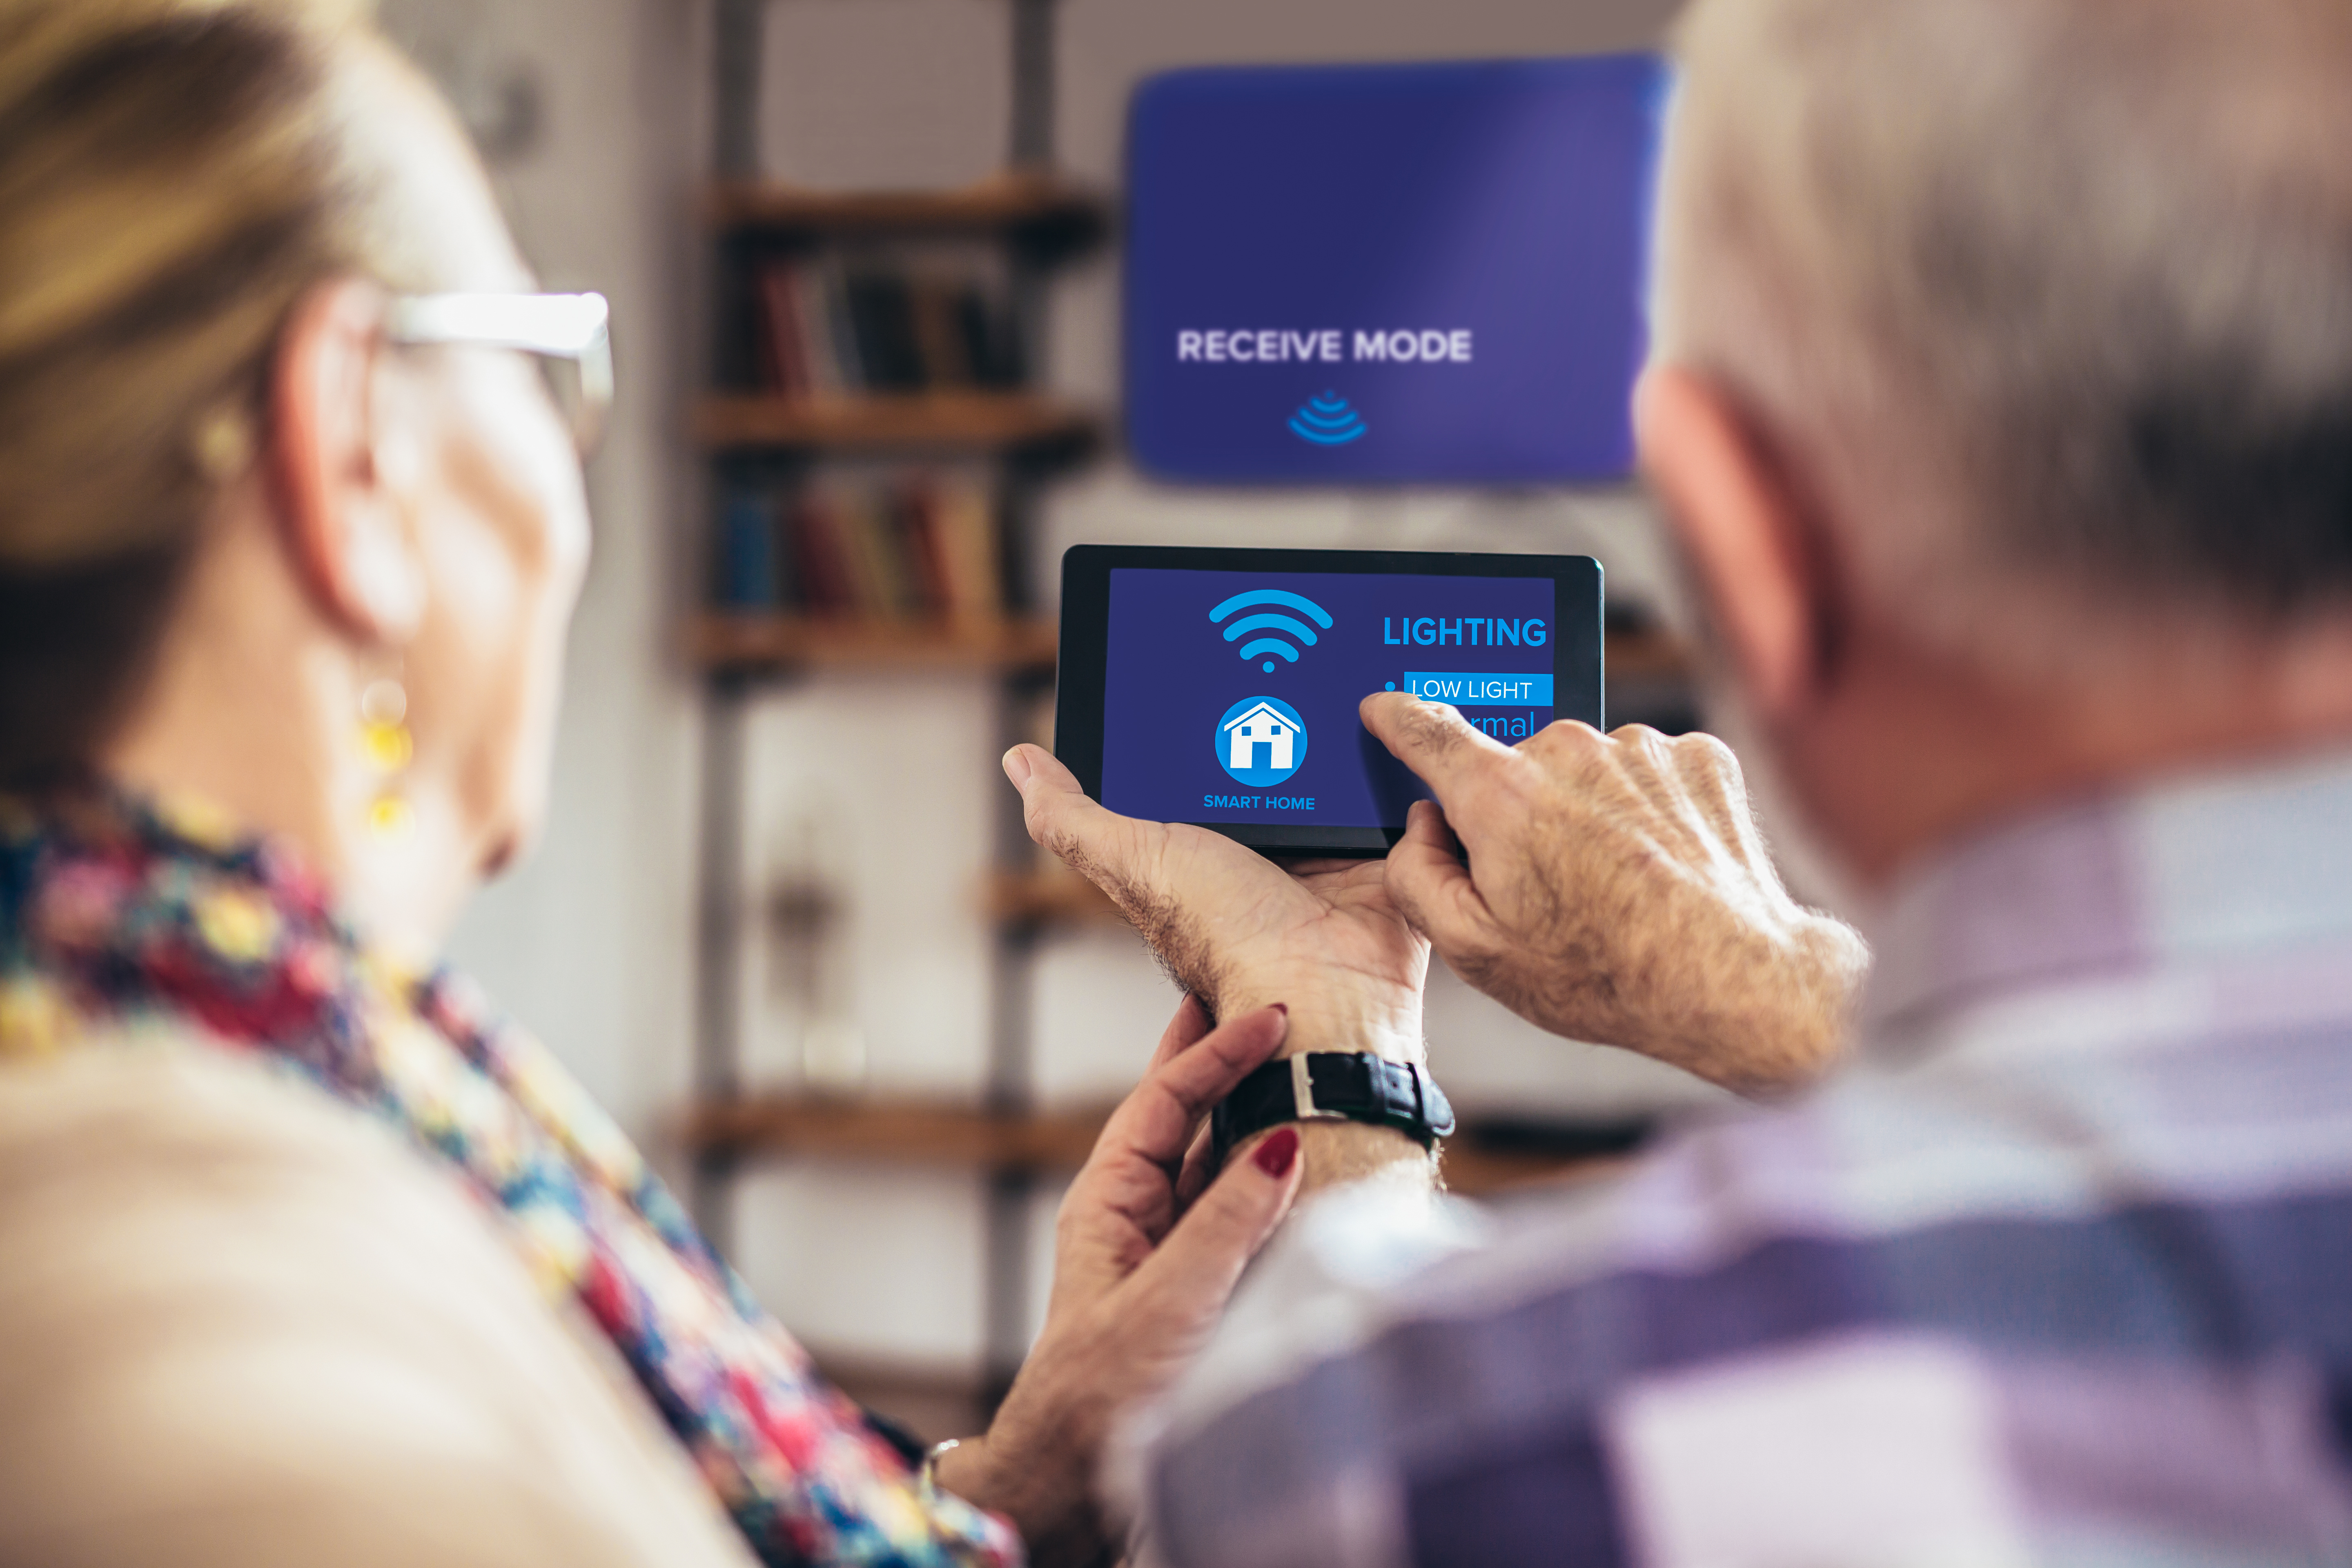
(1328, 421)
(1271, 622)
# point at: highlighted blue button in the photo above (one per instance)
(1480, 690)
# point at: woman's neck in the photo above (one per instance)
(253, 705)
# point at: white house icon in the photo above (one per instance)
(1260, 726)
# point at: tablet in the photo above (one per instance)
(1220, 687)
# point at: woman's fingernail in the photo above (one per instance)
(1283, 1008)
(1281, 1147)
(1017, 768)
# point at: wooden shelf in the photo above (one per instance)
(960, 1138)
(1027, 206)
(945, 421)
(1046, 898)
(746, 642)
(895, 1131)
(1647, 655)
(931, 1399)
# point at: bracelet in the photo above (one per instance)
(927, 1478)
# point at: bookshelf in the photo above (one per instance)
(1484, 1157)
(1480, 1158)
(723, 642)
(1048, 896)
(876, 438)
(1644, 652)
(938, 421)
(1040, 208)
(898, 333)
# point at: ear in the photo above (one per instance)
(1744, 531)
(342, 524)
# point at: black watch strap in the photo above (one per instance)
(1332, 1086)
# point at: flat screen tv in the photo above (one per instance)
(1389, 273)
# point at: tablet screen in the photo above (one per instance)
(1229, 697)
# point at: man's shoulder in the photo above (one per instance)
(1963, 1242)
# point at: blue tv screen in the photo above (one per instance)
(1389, 273)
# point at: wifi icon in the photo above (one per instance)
(1328, 421)
(1270, 622)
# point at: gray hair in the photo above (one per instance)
(2050, 299)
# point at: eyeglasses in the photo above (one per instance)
(565, 334)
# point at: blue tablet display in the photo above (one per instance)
(1229, 697)
(1378, 274)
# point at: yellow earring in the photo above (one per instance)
(388, 747)
(222, 444)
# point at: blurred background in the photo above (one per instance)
(783, 921)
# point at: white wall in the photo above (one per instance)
(592, 941)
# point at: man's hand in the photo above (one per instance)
(1617, 891)
(1237, 931)
(1146, 1251)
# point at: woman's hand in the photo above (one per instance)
(1237, 931)
(1146, 1251)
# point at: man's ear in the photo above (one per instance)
(1743, 530)
(342, 524)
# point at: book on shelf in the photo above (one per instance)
(854, 548)
(781, 341)
(748, 576)
(827, 327)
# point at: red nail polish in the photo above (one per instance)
(1281, 1147)
(1283, 1008)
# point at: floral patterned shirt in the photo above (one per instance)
(117, 913)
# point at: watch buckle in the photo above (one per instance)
(1302, 1094)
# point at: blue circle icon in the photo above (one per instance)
(1261, 741)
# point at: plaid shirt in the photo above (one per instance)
(2059, 1270)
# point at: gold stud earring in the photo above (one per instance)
(388, 747)
(222, 444)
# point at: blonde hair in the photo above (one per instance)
(2050, 299)
(173, 176)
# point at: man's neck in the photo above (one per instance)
(1915, 749)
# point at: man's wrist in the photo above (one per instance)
(1323, 1018)
(1340, 1011)
(1337, 1152)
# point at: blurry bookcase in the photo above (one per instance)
(876, 441)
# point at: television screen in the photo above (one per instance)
(1353, 275)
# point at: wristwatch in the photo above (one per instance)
(1332, 1086)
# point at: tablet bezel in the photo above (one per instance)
(1578, 661)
